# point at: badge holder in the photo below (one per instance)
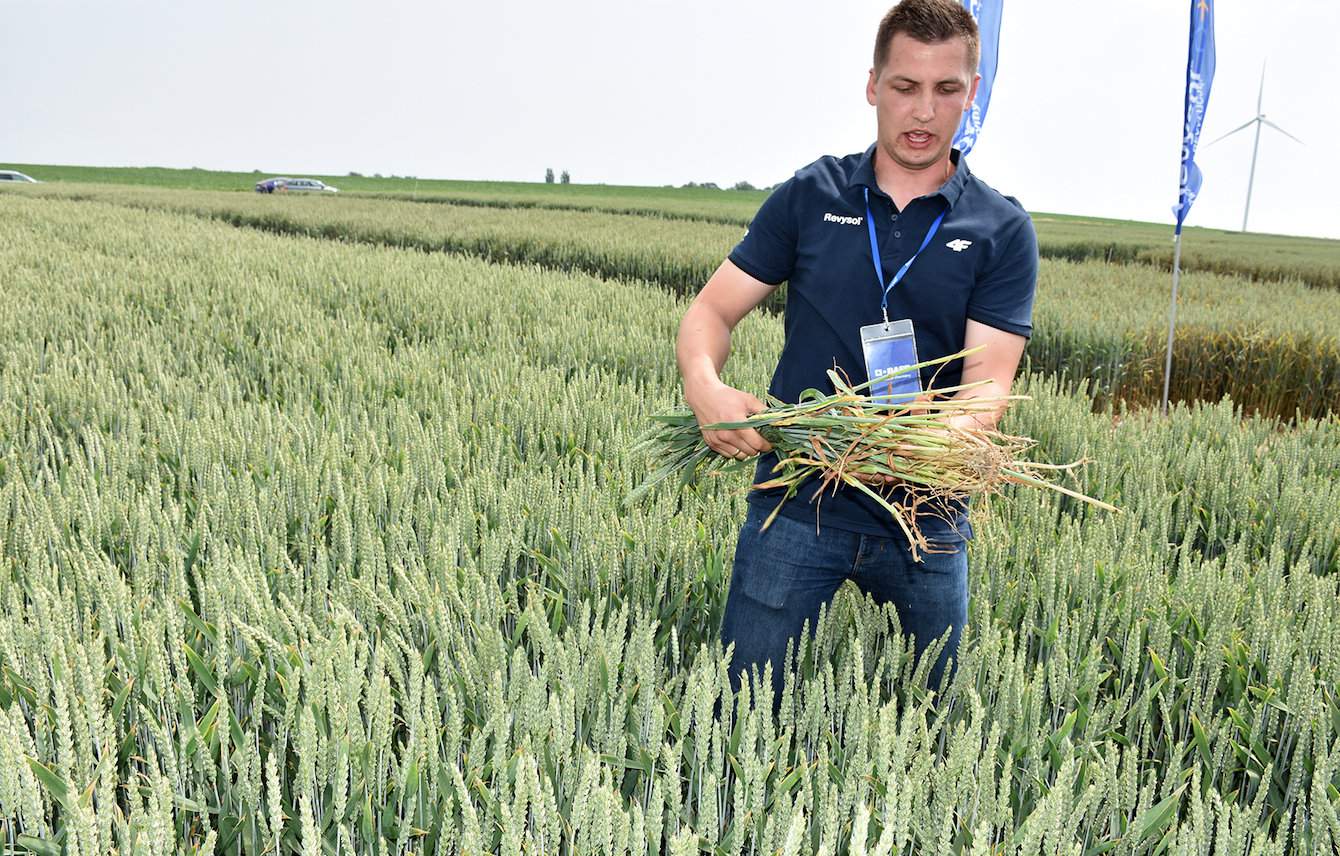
(890, 347)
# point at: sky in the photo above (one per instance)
(1086, 116)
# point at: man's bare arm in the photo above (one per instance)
(702, 348)
(997, 363)
(704, 333)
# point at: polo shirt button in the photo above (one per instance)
(897, 234)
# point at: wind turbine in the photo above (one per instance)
(1258, 121)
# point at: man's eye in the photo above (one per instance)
(903, 89)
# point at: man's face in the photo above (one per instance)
(919, 97)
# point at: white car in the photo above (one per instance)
(14, 175)
(283, 185)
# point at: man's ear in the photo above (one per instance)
(870, 88)
(972, 92)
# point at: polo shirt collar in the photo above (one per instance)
(951, 190)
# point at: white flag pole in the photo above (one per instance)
(1172, 319)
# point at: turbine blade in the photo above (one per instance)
(1284, 132)
(1241, 127)
(1262, 91)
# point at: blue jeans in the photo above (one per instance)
(782, 576)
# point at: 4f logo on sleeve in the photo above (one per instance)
(958, 245)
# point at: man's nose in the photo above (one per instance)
(924, 109)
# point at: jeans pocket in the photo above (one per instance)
(944, 559)
(942, 532)
(765, 585)
(947, 545)
(762, 559)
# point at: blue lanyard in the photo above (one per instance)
(879, 267)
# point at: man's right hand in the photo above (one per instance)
(717, 402)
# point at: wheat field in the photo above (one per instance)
(318, 546)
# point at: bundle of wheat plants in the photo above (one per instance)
(911, 454)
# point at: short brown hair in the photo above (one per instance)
(927, 21)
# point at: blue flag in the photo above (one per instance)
(1199, 74)
(987, 13)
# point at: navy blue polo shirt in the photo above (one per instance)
(811, 232)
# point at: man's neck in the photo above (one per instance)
(903, 185)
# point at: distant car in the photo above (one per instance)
(284, 185)
(14, 175)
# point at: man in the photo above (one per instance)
(972, 283)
